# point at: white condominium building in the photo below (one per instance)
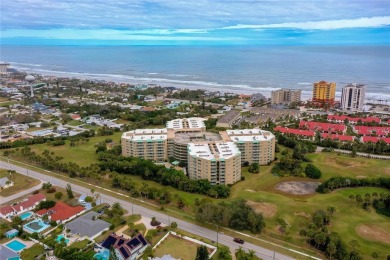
(255, 145)
(219, 162)
(150, 144)
(353, 96)
(216, 157)
(183, 123)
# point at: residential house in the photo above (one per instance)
(8, 254)
(88, 225)
(126, 249)
(5, 183)
(27, 204)
(61, 212)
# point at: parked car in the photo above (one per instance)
(238, 240)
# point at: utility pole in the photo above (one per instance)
(217, 234)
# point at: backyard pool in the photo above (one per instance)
(26, 215)
(102, 255)
(36, 226)
(16, 245)
(59, 237)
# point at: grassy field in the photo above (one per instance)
(80, 244)
(297, 210)
(332, 165)
(32, 252)
(177, 248)
(21, 183)
(81, 154)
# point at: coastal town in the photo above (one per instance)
(92, 169)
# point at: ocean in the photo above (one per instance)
(239, 69)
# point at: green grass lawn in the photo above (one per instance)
(80, 244)
(21, 183)
(32, 252)
(297, 210)
(332, 165)
(177, 248)
(81, 154)
(75, 123)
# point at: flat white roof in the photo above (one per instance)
(192, 122)
(248, 135)
(146, 134)
(213, 150)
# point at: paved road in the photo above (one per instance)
(165, 219)
(375, 156)
(20, 194)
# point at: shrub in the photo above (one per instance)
(312, 171)
(154, 222)
(51, 190)
(58, 195)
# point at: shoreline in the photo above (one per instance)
(182, 84)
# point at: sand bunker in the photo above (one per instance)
(372, 232)
(267, 209)
(298, 187)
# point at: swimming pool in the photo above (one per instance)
(36, 226)
(59, 237)
(102, 255)
(16, 245)
(26, 215)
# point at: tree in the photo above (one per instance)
(331, 249)
(312, 171)
(202, 253)
(174, 225)
(58, 195)
(16, 221)
(354, 151)
(224, 253)
(46, 185)
(69, 191)
(331, 210)
(254, 168)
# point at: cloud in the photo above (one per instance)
(110, 34)
(364, 22)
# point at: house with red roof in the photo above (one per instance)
(336, 137)
(61, 212)
(323, 127)
(380, 131)
(75, 117)
(353, 120)
(25, 205)
(304, 134)
(373, 139)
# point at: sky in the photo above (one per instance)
(195, 22)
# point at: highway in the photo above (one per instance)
(163, 218)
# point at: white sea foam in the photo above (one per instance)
(166, 82)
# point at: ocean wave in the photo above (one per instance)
(25, 64)
(191, 84)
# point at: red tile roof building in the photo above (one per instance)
(343, 138)
(373, 139)
(61, 212)
(323, 127)
(372, 130)
(28, 204)
(353, 120)
(304, 133)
